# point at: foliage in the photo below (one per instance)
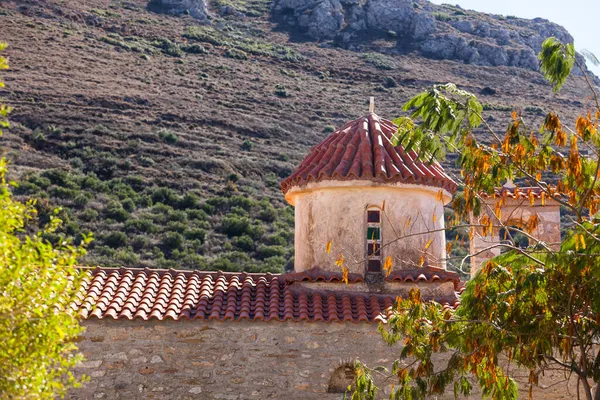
(38, 285)
(380, 61)
(537, 306)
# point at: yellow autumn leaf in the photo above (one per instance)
(531, 197)
(345, 274)
(448, 247)
(383, 206)
(582, 240)
(543, 198)
(328, 247)
(428, 244)
(407, 223)
(422, 260)
(387, 266)
(440, 195)
(434, 217)
(340, 260)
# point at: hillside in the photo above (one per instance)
(168, 138)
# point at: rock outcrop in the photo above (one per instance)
(442, 32)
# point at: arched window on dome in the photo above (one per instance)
(373, 239)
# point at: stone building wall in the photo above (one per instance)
(336, 211)
(232, 360)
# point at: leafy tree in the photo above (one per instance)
(38, 285)
(534, 307)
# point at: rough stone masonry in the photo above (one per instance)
(236, 360)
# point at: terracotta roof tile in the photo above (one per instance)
(362, 150)
(517, 193)
(160, 294)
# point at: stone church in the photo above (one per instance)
(179, 334)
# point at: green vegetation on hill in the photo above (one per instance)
(141, 225)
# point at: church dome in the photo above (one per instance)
(362, 150)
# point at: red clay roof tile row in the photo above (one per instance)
(362, 149)
(517, 193)
(423, 274)
(190, 295)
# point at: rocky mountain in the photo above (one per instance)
(165, 127)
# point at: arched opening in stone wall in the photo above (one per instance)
(342, 378)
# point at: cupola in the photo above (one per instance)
(369, 199)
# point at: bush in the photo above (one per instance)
(140, 242)
(142, 225)
(168, 47)
(281, 91)
(89, 215)
(244, 243)
(189, 200)
(380, 61)
(172, 241)
(165, 195)
(115, 239)
(247, 145)
(115, 210)
(193, 49)
(168, 136)
(126, 257)
(268, 214)
(237, 54)
(389, 82)
(128, 205)
(233, 225)
(329, 129)
(81, 199)
(270, 251)
(196, 234)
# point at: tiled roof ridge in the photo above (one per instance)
(518, 192)
(135, 293)
(362, 150)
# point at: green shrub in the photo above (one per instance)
(193, 49)
(268, 214)
(329, 129)
(196, 234)
(189, 200)
(270, 251)
(176, 226)
(197, 215)
(443, 17)
(167, 136)
(233, 225)
(165, 195)
(171, 241)
(242, 202)
(193, 261)
(81, 199)
(273, 264)
(126, 258)
(128, 205)
(380, 61)
(115, 210)
(281, 91)
(236, 54)
(244, 243)
(89, 215)
(115, 239)
(247, 145)
(168, 47)
(142, 225)
(140, 242)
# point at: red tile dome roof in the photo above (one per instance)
(362, 150)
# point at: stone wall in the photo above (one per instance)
(336, 211)
(230, 360)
